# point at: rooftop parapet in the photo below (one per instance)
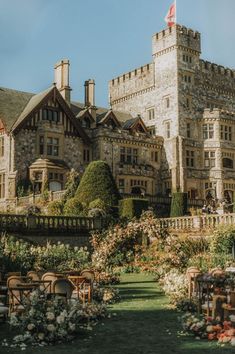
(145, 69)
(218, 113)
(176, 35)
(179, 29)
(216, 69)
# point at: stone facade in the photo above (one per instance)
(46, 135)
(190, 103)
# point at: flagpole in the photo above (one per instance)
(175, 13)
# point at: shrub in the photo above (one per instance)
(71, 184)
(98, 182)
(55, 208)
(32, 209)
(19, 255)
(132, 207)
(98, 204)
(223, 240)
(206, 261)
(96, 213)
(178, 204)
(23, 188)
(73, 207)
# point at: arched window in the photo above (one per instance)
(227, 163)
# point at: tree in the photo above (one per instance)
(98, 182)
(179, 204)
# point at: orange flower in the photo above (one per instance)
(211, 336)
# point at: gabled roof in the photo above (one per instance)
(12, 103)
(103, 118)
(31, 105)
(84, 113)
(17, 106)
(133, 123)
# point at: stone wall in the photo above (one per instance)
(191, 85)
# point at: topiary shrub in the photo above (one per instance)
(97, 182)
(97, 203)
(179, 203)
(55, 208)
(71, 184)
(73, 207)
(132, 207)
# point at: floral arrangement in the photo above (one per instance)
(208, 328)
(175, 285)
(120, 244)
(51, 321)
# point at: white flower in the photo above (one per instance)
(30, 326)
(233, 342)
(51, 328)
(72, 326)
(50, 316)
(41, 335)
(232, 318)
(60, 319)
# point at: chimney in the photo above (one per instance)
(90, 96)
(62, 79)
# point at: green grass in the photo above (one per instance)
(142, 325)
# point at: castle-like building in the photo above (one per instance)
(171, 127)
(191, 104)
(44, 136)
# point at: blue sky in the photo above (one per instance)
(101, 38)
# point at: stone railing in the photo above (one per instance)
(197, 222)
(34, 198)
(22, 223)
(197, 203)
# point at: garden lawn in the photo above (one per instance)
(140, 324)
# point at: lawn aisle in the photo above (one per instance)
(142, 325)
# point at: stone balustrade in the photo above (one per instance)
(44, 223)
(197, 222)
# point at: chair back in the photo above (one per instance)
(14, 295)
(192, 273)
(13, 281)
(88, 274)
(33, 275)
(216, 271)
(10, 274)
(63, 287)
(48, 277)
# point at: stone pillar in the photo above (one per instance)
(197, 222)
(31, 222)
(220, 184)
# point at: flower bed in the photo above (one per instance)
(53, 321)
(208, 328)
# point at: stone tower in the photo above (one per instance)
(158, 92)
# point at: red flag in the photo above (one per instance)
(171, 15)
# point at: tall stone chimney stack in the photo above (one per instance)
(62, 79)
(90, 96)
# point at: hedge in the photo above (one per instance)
(132, 207)
(179, 204)
(98, 183)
